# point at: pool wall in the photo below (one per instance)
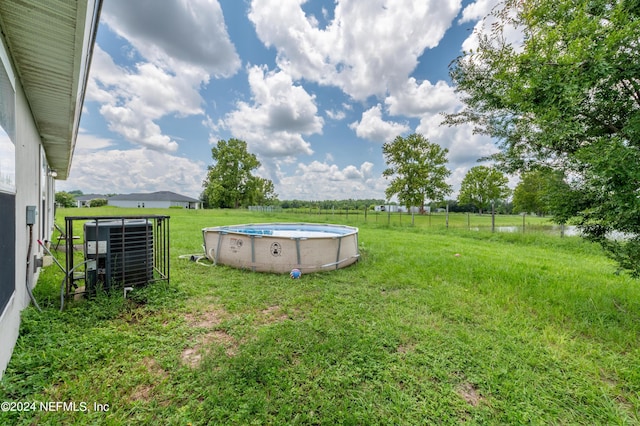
(280, 247)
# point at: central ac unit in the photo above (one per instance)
(118, 253)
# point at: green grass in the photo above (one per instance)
(519, 328)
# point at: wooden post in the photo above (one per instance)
(447, 219)
(493, 216)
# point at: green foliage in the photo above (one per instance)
(65, 199)
(350, 204)
(230, 182)
(482, 185)
(568, 99)
(98, 202)
(541, 191)
(261, 192)
(417, 169)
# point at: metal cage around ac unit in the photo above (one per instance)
(117, 252)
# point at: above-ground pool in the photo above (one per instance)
(281, 247)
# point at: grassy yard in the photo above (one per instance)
(432, 326)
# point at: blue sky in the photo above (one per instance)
(314, 88)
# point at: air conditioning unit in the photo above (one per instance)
(118, 253)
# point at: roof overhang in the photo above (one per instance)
(50, 44)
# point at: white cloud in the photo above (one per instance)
(279, 114)
(87, 142)
(414, 100)
(103, 77)
(367, 49)
(323, 181)
(98, 169)
(136, 129)
(478, 10)
(374, 128)
(133, 99)
(176, 33)
(336, 115)
(180, 44)
(464, 146)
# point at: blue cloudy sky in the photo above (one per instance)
(314, 88)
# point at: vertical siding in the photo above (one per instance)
(29, 192)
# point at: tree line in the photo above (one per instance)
(417, 173)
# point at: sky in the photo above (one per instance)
(313, 87)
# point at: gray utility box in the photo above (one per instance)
(118, 253)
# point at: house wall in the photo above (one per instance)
(184, 204)
(152, 204)
(136, 204)
(33, 187)
(85, 203)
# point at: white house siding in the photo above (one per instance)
(141, 204)
(34, 188)
(150, 204)
(182, 204)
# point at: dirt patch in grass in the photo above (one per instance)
(145, 392)
(141, 393)
(273, 314)
(206, 319)
(153, 368)
(192, 356)
(221, 337)
(405, 348)
(470, 394)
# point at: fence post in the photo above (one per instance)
(447, 217)
(493, 217)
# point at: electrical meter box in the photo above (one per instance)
(31, 215)
(118, 253)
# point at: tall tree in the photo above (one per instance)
(483, 185)
(261, 192)
(568, 97)
(417, 169)
(540, 191)
(65, 199)
(230, 182)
